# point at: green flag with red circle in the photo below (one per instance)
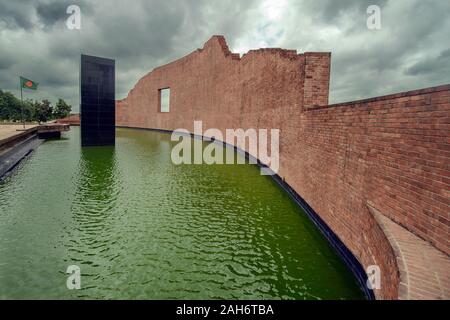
(28, 84)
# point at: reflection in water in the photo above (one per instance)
(97, 184)
(140, 227)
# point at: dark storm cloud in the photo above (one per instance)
(16, 14)
(373, 62)
(431, 65)
(6, 62)
(140, 35)
(410, 51)
(329, 11)
(51, 12)
(29, 15)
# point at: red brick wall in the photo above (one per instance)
(218, 87)
(390, 151)
(73, 119)
(316, 79)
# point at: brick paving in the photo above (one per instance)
(9, 130)
(424, 270)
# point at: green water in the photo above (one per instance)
(140, 227)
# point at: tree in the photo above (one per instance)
(11, 109)
(28, 110)
(62, 109)
(9, 105)
(43, 111)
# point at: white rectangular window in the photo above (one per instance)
(164, 98)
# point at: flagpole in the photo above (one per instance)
(21, 99)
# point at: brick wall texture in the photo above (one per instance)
(391, 151)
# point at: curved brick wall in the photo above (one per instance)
(392, 152)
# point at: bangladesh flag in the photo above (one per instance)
(28, 84)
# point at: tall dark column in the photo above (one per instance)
(97, 91)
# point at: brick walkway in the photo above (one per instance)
(9, 130)
(424, 270)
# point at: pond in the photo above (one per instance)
(140, 227)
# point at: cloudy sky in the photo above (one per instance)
(412, 49)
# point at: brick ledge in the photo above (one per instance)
(405, 94)
(424, 270)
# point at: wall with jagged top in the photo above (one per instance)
(213, 79)
(392, 152)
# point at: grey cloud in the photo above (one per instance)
(329, 11)
(16, 14)
(369, 63)
(140, 35)
(431, 65)
(409, 52)
(51, 12)
(6, 62)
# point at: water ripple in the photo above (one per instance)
(140, 227)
